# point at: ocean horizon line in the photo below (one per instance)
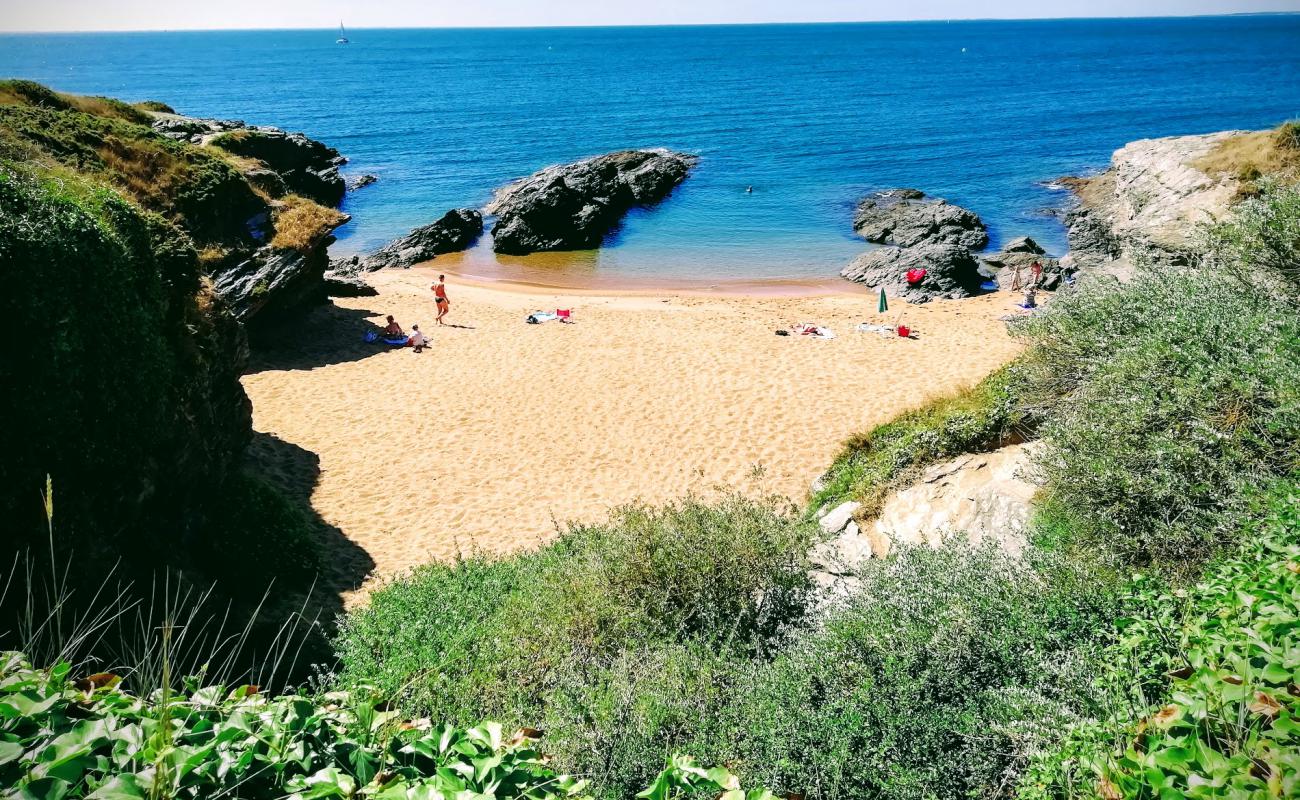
(656, 26)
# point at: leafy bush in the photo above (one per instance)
(30, 93)
(1227, 724)
(65, 737)
(1262, 240)
(1166, 400)
(565, 638)
(938, 679)
(877, 462)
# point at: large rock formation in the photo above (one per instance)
(452, 232)
(1148, 205)
(573, 206)
(951, 272)
(905, 217)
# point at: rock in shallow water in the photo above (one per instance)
(951, 272)
(904, 217)
(572, 206)
(453, 232)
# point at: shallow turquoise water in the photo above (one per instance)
(812, 116)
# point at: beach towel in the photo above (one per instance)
(538, 317)
(886, 331)
(808, 329)
(396, 341)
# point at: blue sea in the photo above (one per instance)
(985, 114)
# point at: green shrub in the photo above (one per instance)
(1166, 401)
(938, 679)
(564, 638)
(1262, 238)
(873, 464)
(1226, 722)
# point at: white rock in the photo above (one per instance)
(837, 518)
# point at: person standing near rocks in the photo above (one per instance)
(440, 297)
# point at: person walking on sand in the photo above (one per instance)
(440, 297)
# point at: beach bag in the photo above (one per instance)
(915, 276)
(371, 337)
(904, 331)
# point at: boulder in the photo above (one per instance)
(905, 217)
(454, 231)
(951, 272)
(983, 495)
(343, 284)
(839, 517)
(573, 206)
(1021, 254)
(360, 181)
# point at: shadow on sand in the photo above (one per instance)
(326, 334)
(295, 471)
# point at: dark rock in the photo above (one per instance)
(307, 167)
(1021, 255)
(904, 217)
(273, 280)
(951, 272)
(573, 206)
(455, 231)
(360, 181)
(344, 284)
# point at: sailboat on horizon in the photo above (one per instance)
(343, 35)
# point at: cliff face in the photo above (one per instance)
(1149, 204)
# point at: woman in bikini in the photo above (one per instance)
(440, 297)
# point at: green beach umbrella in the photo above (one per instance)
(884, 304)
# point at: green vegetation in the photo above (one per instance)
(872, 465)
(192, 187)
(30, 93)
(1224, 720)
(1162, 406)
(1262, 240)
(1166, 401)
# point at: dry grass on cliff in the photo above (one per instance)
(29, 93)
(301, 223)
(1251, 156)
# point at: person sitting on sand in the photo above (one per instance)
(417, 339)
(440, 297)
(392, 329)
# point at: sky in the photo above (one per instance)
(94, 15)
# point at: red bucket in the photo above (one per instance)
(904, 331)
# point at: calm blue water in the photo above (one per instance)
(813, 116)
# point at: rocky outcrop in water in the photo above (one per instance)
(454, 231)
(573, 206)
(951, 272)
(361, 181)
(1148, 205)
(906, 217)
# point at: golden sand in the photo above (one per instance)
(502, 429)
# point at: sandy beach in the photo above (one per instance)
(502, 430)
